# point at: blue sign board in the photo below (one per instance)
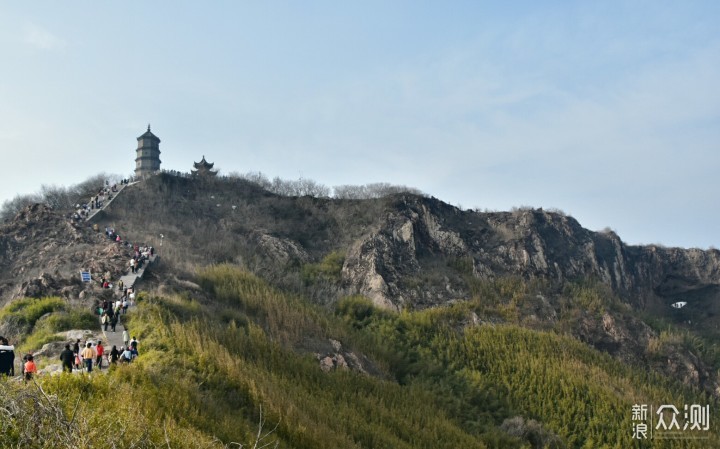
(85, 276)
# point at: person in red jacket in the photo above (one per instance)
(100, 350)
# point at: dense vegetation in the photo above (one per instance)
(211, 361)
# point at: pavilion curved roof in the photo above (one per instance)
(203, 164)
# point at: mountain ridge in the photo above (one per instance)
(410, 275)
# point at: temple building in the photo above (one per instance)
(203, 168)
(147, 161)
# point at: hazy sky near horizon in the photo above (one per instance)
(607, 110)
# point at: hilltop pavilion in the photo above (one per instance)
(203, 168)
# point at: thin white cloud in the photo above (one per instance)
(41, 38)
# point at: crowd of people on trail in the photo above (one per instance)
(110, 311)
(84, 210)
(109, 315)
(92, 355)
(140, 256)
(140, 253)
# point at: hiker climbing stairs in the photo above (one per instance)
(129, 279)
(114, 338)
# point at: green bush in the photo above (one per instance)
(24, 317)
(329, 268)
(356, 310)
(38, 338)
(463, 265)
(49, 329)
(74, 319)
(29, 310)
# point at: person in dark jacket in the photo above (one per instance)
(114, 355)
(7, 358)
(67, 357)
(76, 350)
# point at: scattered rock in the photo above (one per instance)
(282, 250)
(53, 369)
(83, 335)
(326, 363)
(340, 362)
(335, 344)
(50, 349)
(354, 363)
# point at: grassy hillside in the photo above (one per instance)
(211, 361)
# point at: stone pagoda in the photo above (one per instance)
(147, 161)
(203, 168)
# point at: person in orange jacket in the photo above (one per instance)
(29, 369)
(88, 355)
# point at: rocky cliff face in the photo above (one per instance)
(422, 252)
(42, 254)
(526, 243)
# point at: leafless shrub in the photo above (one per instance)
(278, 186)
(523, 208)
(608, 231)
(370, 191)
(32, 418)
(58, 197)
(263, 439)
(556, 210)
(256, 177)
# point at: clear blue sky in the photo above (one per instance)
(607, 110)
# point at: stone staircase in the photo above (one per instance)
(106, 200)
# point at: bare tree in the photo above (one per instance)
(30, 418)
(263, 439)
(10, 208)
(370, 191)
(57, 197)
